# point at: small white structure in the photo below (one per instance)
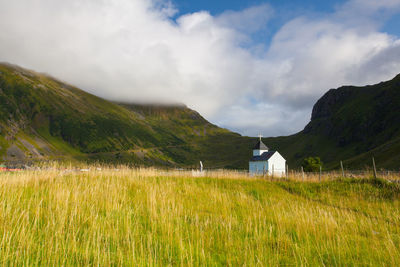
(265, 162)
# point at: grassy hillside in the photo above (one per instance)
(350, 124)
(43, 118)
(146, 217)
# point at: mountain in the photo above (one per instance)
(42, 118)
(352, 124)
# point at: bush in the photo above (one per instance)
(311, 164)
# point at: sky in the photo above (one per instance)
(250, 66)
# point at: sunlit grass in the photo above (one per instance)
(150, 217)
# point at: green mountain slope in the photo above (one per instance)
(43, 118)
(350, 124)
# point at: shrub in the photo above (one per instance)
(311, 164)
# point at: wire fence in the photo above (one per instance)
(337, 174)
(296, 175)
(291, 174)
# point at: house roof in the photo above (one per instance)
(260, 145)
(263, 157)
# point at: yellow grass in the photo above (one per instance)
(148, 217)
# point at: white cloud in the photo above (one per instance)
(134, 51)
(250, 20)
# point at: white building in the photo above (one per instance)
(266, 162)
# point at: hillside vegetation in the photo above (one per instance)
(143, 217)
(352, 124)
(42, 118)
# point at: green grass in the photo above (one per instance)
(58, 144)
(148, 217)
(3, 147)
(81, 126)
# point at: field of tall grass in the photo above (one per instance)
(146, 217)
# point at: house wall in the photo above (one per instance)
(258, 167)
(277, 165)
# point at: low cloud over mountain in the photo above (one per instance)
(145, 51)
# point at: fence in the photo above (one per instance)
(291, 174)
(297, 175)
(336, 174)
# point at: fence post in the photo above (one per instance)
(287, 172)
(320, 170)
(373, 164)
(341, 166)
(272, 171)
(302, 172)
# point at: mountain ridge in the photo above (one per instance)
(68, 122)
(349, 122)
(43, 118)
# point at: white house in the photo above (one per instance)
(266, 162)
